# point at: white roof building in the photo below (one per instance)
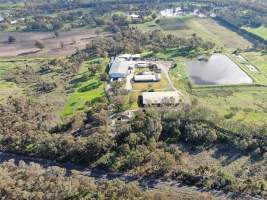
(142, 64)
(156, 98)
(120, 65)
(129, 56)
(147, 78)
(119, 68)
(13, 21)
(134, 16)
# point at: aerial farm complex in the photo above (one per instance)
(134, 69)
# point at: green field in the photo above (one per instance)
(259, 60)
(260, 31)
(240, 104)
(173, 23)
(206, 28)
(84, 90)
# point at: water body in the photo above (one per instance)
(218, 70)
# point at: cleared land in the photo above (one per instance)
(260, 31)
(206, 28)
(25, 43)
(238, 104)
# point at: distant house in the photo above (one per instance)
(141, 65)
(22, 19)
(134, 16)
(157, 98)
(213, 15)
(13, 22)
(147, 78)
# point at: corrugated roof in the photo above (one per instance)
(150, 77)
(119, 66)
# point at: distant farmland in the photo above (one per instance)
(260, 31)
(25, 43)
(205, 28)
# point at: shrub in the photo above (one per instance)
(11, 39)
(39, 44)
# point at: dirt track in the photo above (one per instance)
(24, 44)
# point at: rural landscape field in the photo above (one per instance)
(133, 99)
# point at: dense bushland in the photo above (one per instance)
(31, 181)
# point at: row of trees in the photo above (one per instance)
(133, 41)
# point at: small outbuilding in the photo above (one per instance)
(142, 65)
(134, 16)
(147, 78)
(158, 98)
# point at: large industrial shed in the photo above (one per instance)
(119, 68)
(157, 98)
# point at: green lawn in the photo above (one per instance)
(260, 31)
(179, 75)
(84, 90)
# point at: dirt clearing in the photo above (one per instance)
(65, 44)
